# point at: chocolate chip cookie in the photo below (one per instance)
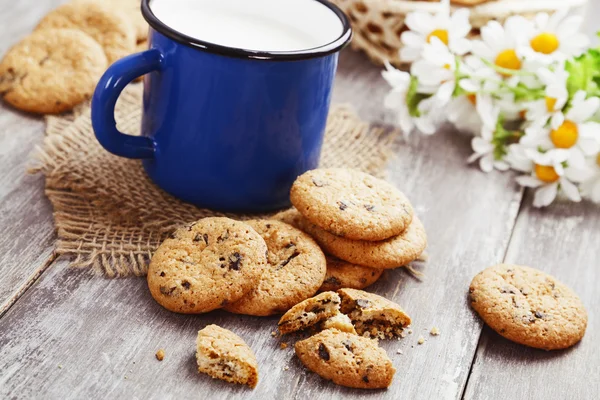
(346, 359)
(222, 354)
(351, 204)
(295, 270)
(391, 253)
(51, 72)
(342, 274)
(107, 25)
(340, 321)
(373, 315)
(310, 312)
(207, 265)
(528, 306)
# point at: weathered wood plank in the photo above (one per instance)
(564, 242)
(97, 328)
(25, 215)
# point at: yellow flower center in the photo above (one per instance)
(441, 34)
(508, 59)
(546, 173)
(447, 66)
(545, 43)
(472, 98)
(565, 136)
(550, 103)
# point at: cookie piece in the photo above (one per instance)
(341, 322)
(373, 315)
(222, 354)
(342, 274)
(346, 359)
(103, 23)
(310, 312)
(51, 72)
(206, 265)
(391, 253)
(295, 270)
(351, 204)
(528, 306)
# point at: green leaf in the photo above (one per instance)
(503, 137)
(413, 98)
(584, 73)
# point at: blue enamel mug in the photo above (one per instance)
(236, 97)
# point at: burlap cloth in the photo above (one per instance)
(108, 214)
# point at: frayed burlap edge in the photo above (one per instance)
(110, 217)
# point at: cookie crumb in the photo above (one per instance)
(399, 351)
(421, 340)
(434, 331)
(59, 366)
(283, 345)
(286, 368)
(160, 354)
(125, 376)
(273, 333)
(410, 331)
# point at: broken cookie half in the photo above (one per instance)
(373, 315)
(222, 354)
(310, 312)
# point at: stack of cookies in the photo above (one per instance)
(58, 66)
(364, 224)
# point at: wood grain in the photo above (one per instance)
(564, 242)
(25, 215)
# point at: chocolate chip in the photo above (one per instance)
(286, 262)
(162, 274)
(323, 352)
(268, 226)
(235, 261)
(539, 314)
(167, 291)
(369, 207)
(316, 309)
(291, 244)
(342, 205)
(205, 236)
(362, 303)
(186, 285)
(173, 236)
(198, 237)
(318, 183)
(365, 379)
(507, 289)
(223, 237)
(348, 345)
(332, 280)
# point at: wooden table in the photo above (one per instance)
(65, 333)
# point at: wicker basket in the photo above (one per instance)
(378, 24)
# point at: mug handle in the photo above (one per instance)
(108, 90)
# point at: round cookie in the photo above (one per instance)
(351, 204)
(346, 359)
(105, 24)
(528, 306)
(391, 253)
(342, 274)
(132, 9)
(206, 265)
(51, 72)
(295, 270)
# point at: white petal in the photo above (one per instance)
(545, 195)
(569, 26)
(412, 39)
(501, 165)
(486, 163)
(557, 120)
(474, 157)
(570, 190)
(420, 22)
(528, 181)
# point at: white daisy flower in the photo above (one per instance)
(518, 159)
(590, 188)
(484, 146)
(400, 82)
(555, 37)
(500, 45)
(549, 175)
(556, 95)
(573, 130)
(451, 29)
(462, 114)
(436, 70)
